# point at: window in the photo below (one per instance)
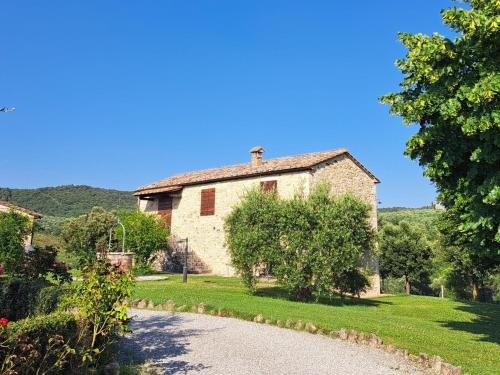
(207, 202)
(269, 186)
(165, 209)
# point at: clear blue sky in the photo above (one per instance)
(118, 94)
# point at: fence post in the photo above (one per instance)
(185, 267)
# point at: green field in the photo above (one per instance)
(464, 334)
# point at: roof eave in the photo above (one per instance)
(140, 192)
(36, 215)
(148, 191)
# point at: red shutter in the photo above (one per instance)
(165, 209)
(207, 202)
(269, 186)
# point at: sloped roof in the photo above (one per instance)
(21, 209)
(268, 167)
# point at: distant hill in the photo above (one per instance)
(68, 200)
(425, 216)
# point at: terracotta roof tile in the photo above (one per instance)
(21, 209)
(268, 167)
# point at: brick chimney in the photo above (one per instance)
(256, 153)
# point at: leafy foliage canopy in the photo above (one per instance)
(313, 245)
(451, 90)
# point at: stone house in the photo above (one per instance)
(195, 204)
(32, 215)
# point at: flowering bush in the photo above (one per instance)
(39, 263)
(99, 299)
(41, 345)
(61, 343)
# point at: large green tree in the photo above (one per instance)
(87, 235)
(451, 90)
(145, 235)
(404, 252)
(314, 245)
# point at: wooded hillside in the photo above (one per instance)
(424, 216)
(68, 200)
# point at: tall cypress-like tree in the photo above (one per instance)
(451, 90)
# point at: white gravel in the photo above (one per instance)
(184, 343)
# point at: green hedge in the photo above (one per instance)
(49, 299)
(22, 298)
(35, 345)
(18, 297)
(40, 328)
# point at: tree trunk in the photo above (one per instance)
(407, 286)
(442, 291)
(475, 291)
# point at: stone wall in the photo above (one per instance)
(206, 233)
(124, 261)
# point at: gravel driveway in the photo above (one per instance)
(184, 343)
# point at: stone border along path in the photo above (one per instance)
(186, 343)
(435, 363)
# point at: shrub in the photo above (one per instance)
(99, 299)
(324, 240)
(41, 345)
(142, 269)
(14, 229)
(252, 234)
(20, 298)
(41, 262)
(145, 235)
(87, 235)
(313, 244)
(50, 298)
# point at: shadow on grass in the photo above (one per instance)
(284, 294)
(159, 340)
(486, 323)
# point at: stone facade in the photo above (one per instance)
(345, 176)
(206, 233)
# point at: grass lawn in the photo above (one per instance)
(464, 334)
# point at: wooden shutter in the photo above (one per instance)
(207, 202)
(269, 186)
(165, 209)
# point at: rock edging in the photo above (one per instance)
(434, 363)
